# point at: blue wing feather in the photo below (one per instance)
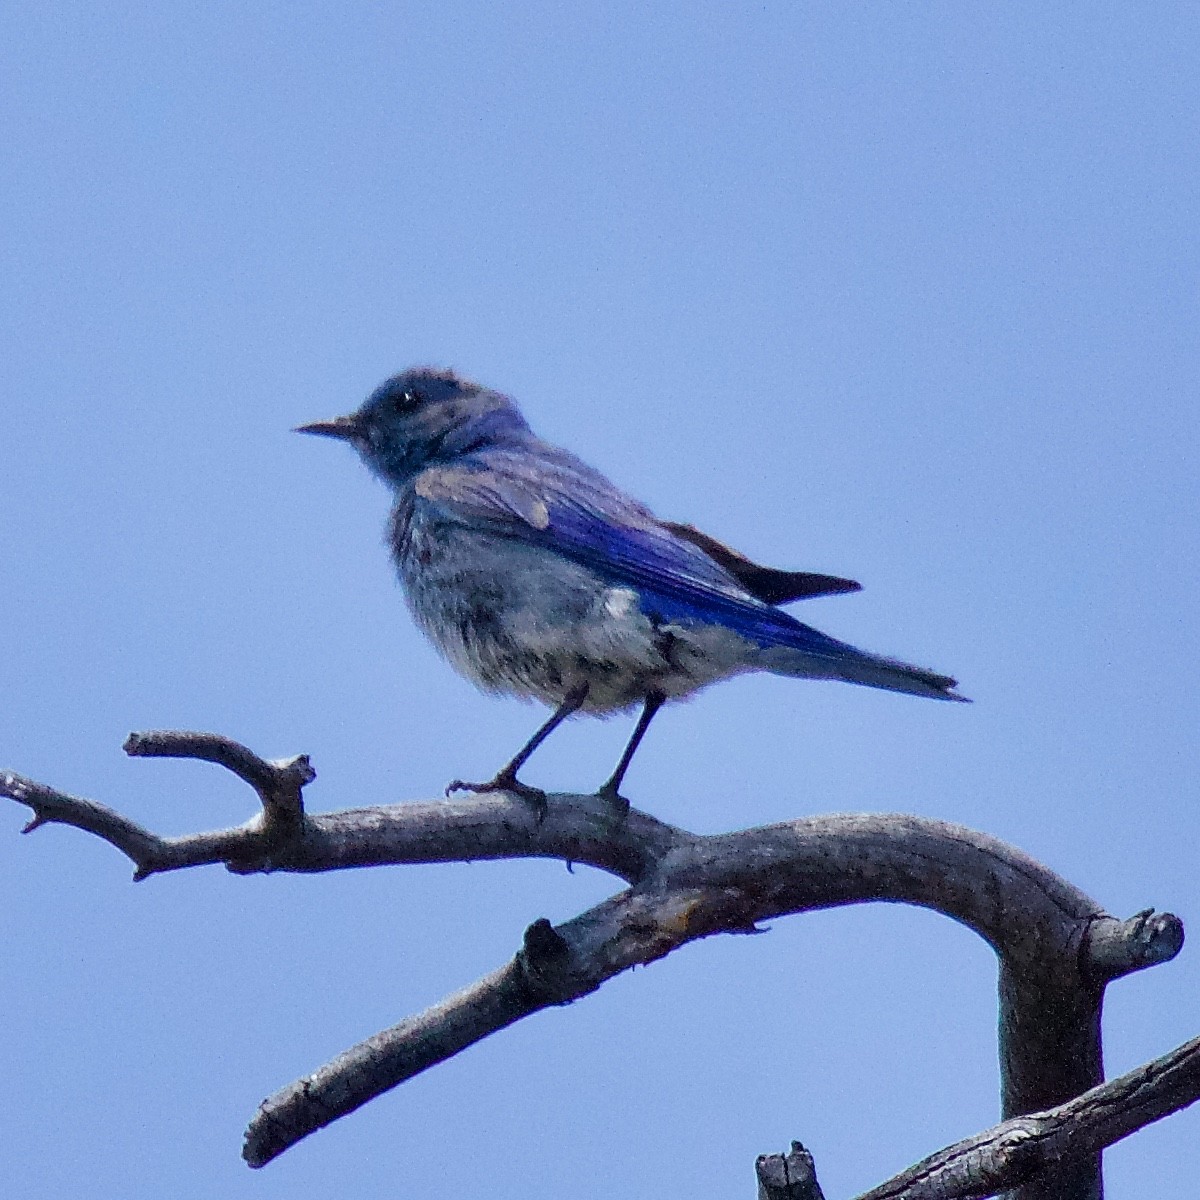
(572, 510)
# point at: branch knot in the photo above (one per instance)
(544, 962)
(1112, 948)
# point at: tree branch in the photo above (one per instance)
(1022, 1149)
(1057, 948)
(248, 848)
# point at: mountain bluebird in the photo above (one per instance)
(536, 576)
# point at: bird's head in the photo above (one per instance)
(422, 416)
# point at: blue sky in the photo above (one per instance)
(904, 292)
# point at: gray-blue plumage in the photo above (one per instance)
(536, 576)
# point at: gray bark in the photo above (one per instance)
(790, 1176)
(1025, 1149)
(1057, 948)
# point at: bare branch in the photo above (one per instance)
(703, 886)
(1057, 948)
(263, 776)
(576, 829)
(53, 807)
(556, 965)
(1022, 1149)
(251, 847)
(280, 785)
(389, 1058)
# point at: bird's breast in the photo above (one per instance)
(523, 620)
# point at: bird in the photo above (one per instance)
(536, 576)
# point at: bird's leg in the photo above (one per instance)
(612, 789)
(506, 780)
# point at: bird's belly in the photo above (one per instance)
(517, 619)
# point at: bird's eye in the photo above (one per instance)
(407, 401)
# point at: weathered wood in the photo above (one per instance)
(1025, 1149)
(1056, 947)
(790, 1176)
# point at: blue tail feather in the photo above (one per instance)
(789, 647)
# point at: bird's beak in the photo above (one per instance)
(346, 428)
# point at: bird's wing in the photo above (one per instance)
(584, 518)
(767, 583)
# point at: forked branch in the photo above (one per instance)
(1057, 948)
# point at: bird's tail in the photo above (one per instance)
(827, 658)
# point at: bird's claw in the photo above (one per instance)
(610, 795)
(506, 782)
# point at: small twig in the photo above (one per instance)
(53, 807)
(255, 846)
(279, 784)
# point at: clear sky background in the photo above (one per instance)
(905, 292)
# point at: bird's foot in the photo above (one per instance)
(610, 794)
(506, 781)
